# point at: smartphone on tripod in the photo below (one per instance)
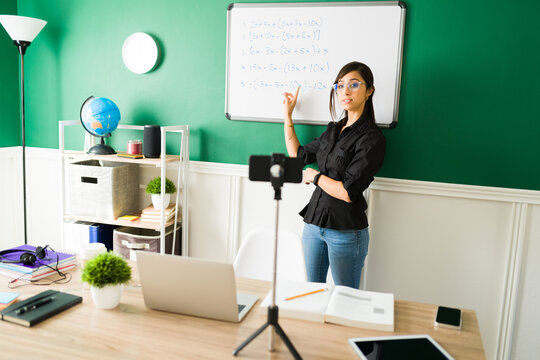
(260, 165)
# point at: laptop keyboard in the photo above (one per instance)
(240, 307)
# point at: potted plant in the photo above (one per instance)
(106, 274)
(154, 188)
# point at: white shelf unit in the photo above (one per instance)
(182, 193)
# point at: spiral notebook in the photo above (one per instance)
(42, 268)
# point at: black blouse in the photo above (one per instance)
(353, 157)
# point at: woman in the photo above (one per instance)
(349, 153)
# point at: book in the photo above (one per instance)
(151, 210)
(129, 217)
(102, 233)
(131, 156)
(153, 218)
(38, 275)
(157, 221)
(39, 307)
(41, 268)
(339, 305)
(151, 214)
(7, 298)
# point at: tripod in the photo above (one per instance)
(277, 177)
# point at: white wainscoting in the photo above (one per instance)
(42, 194)
(522, 339)
(466, 246)
(43, 174)
(11, 210)
(230, 205)
(458, 246)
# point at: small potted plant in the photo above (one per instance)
(106, 274)
(154, 188)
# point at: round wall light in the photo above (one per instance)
(140, 53)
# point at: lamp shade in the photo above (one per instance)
(22, 28)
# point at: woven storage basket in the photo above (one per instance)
(101, 189)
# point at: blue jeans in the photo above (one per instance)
(343, 250)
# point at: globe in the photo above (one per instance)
(100, 117)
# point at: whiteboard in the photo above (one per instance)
(276, 47)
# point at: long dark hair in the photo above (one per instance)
(367, 75)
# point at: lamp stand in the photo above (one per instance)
(22, 45)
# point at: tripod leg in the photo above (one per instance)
(271, 342)
(250, 338)
(287, 342)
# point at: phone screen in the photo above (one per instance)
(448, 316)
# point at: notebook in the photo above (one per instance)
(192, 286)
(39, 307)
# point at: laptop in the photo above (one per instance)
(192, 286)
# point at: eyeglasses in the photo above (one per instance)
(353, 86)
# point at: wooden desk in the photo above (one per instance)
(132, 331)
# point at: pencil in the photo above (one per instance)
(308, 293)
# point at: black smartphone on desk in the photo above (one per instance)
(448, 317)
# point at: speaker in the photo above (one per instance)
(152, 141)
(27, 257)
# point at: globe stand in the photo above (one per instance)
(101, 149)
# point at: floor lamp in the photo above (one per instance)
(22, 31)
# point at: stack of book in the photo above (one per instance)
(42, 267)
(151, 214)
(7, 298)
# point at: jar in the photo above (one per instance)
(134, 147)
(90, 250)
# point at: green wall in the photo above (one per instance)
(9, 83)
(469, 101)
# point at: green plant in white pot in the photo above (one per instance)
(106, 274)
(154, 188)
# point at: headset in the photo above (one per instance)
(28, 257)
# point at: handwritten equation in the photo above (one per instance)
(282, 23)
(282, 53)
(257, 84)
(284, 36)
(288, 67)
(284, 50)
